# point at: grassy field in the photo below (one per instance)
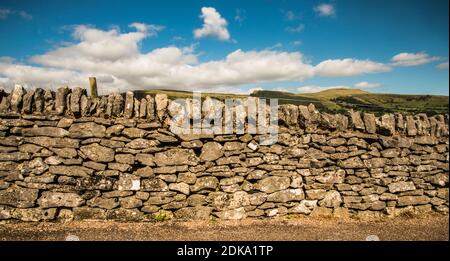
(338, 100)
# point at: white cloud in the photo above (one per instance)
(4, 13)
(117, 61)
(149, 29)
(25, 15)
(349, 67)
(367, 85)
(325, 10)
(412, 59)
(290, 15)
(297, 43)
(240, 15)
(214, 25)
(442, 66)
(296, 29)
(316, 88)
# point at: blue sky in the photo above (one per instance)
(228, 46)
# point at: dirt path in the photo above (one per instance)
(431, 228)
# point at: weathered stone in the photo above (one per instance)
(86, 213)
(304, 207)
(332, 199)
(75, 171)
(351, 163)
(223, 201)
(134, 133)
(58, 199)
(401, 186)
(211, 151)
(95, 183)
(181, 187)
(355, 120)
(175, 157)
(154, 184)
(98, 153)
(140, 143)
(161, 103)
(34, 214)
(204, 183)
(45, 131)
(129, 182)
(130, 202)
(106, 203)
(14, 156)
(233, 214)
(75, 97)
(18, 197)
(286, 195)
(87, 130)
(272, 184)
(370, 122)
(53, 142)
(129, 103)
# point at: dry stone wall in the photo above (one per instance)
(65, 155)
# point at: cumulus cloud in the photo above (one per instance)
(117, 61)
(442, 66)
(367, 85)
(214, 25)
(290, 16)
(325, 10)
(295, 29)
(349, 67)
(412, 59)
(4, 13)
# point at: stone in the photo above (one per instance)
(129, 182)
(211, 151)
(14, 156)
(286, 195)
(193, 213)
(45, 131)
(75, 171)
(175, 157)
(205, 183)
(304, 207)
(87, 213)
(133, 133)
(233, 214)
(141, 143)
(17, 97)
(68, 153)
(95, 183)
(18, 197)
(412, 200)
(224, 201)
(130, 202)
(374, 163)
(370, 122)
(53, 142)
(34, 214)
(129, 102)
(355, 120)
(51, 199)
(401, 186)
(101, 202)
(98, 153)
(315, 193)
(351, 163)
(87, 130)
(75, 98)
(181, 187)
(272, 184)
(154, 184)
(332, 199)
(145, 172)
(161, 103)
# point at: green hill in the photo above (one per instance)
(337, 100)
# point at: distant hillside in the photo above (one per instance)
(337, 100)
